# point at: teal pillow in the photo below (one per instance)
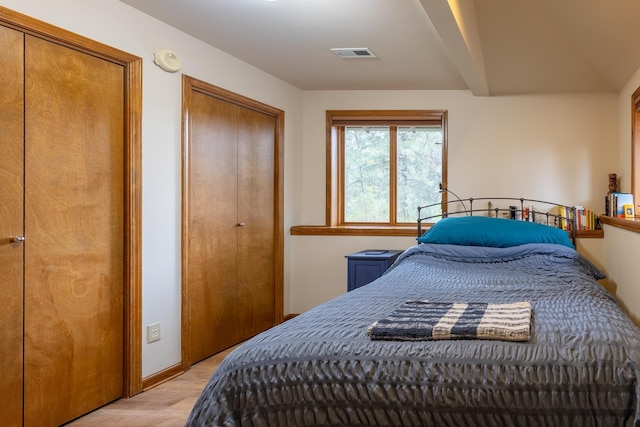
(494, 232)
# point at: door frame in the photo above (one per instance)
(192, 85)
(132, 66)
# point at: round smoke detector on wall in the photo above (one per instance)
(167, 60)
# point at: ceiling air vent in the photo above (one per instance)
(353, 52)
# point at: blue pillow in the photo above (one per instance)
(494, 232)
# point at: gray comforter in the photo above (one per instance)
(578, 369)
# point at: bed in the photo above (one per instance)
(577, 367)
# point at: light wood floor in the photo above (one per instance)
(166, 405)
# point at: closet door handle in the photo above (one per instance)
(17, 239)
(241, 224)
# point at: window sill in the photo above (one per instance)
(589, 234)
(631, 224)
(323, 230)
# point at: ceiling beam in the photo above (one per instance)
(456, 24)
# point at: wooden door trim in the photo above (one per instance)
(132, 66)
(189, 86)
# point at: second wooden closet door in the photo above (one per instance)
(231, 224)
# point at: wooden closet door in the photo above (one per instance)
(11, 224)
(256, 209)
(213, 226)
(231, 220)
(74, 230)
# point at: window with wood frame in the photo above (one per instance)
(383, 164)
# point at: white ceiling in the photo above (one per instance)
(491, 47)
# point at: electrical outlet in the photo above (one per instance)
(153, 332)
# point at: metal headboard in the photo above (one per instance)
(517, 208)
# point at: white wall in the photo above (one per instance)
(622, 247)
(319, 267)
(550, 147)
(116, 24)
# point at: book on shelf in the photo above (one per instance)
(617, 202)
(584, 219)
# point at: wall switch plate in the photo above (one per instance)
(153, 332)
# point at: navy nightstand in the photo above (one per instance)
(366, 266)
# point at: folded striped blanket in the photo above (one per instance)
(423, 320)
